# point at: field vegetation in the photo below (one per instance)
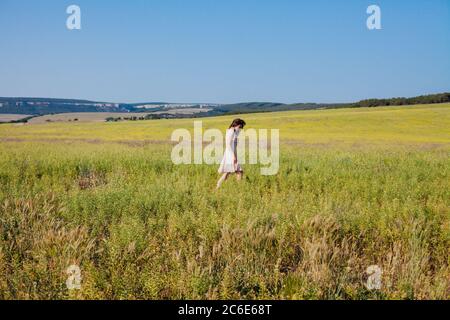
(356, 187)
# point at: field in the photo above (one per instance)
(5, 117)
(356, 187)
(102, 116)
(83, 117)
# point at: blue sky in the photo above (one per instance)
(224, 51)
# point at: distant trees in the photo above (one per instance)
(427, 99)
(145, 117)
(22, 120)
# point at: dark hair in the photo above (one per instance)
(237, 122)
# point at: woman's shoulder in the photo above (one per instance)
(229, 133)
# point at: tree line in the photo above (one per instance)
(426, 99)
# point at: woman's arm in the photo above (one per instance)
(230, 142)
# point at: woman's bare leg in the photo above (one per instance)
(222, 179)
(239, 175)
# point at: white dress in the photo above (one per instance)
(227, 164)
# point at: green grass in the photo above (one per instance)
(404, 125)
(356, 187)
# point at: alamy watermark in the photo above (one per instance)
(73, 281)
(374, 20)
(374, 273)
(253, 147)
(73, 21)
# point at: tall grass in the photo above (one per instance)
(140, 227)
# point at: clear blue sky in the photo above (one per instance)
(224, 50)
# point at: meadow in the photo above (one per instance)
(356, 187)
(6, 117)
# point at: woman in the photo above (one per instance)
(229, 162)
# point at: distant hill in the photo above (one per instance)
(44, 106)
(426, 99)
(252, 107)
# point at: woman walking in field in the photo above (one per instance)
(230, 164)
